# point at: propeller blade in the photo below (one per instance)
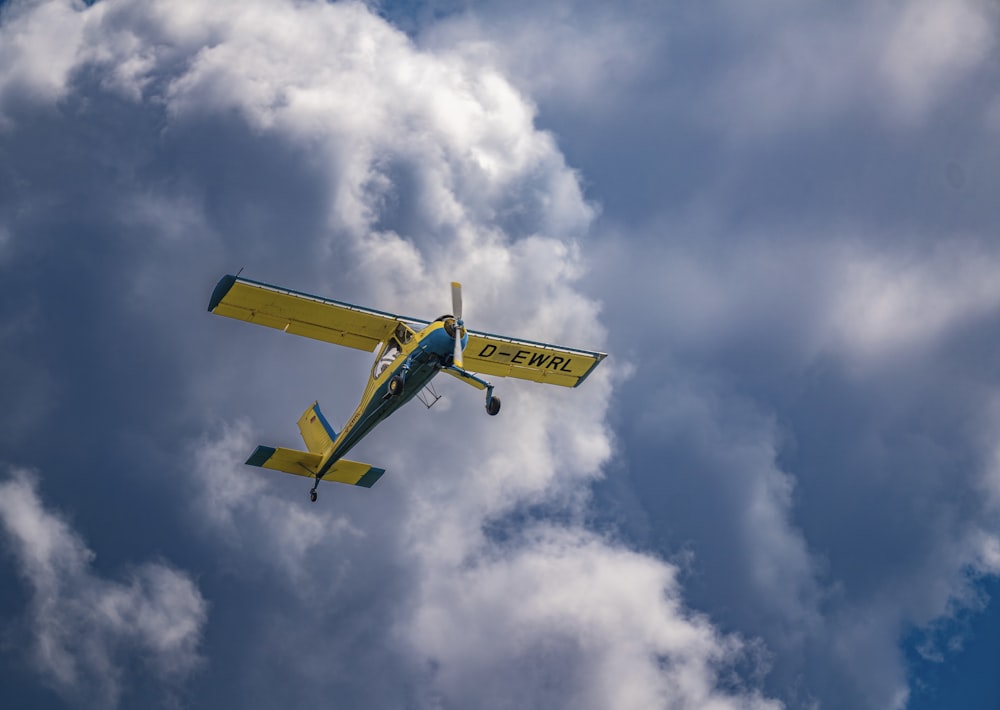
(456, 300)
(456, 307)
(458, 347)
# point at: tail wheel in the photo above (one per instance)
(396, 386)
(493, 406)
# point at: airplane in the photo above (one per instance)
(410, 353)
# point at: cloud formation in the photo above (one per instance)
(562, 618)
(814, 271)
(762, 211)
(421, 167)
(84, 630)
(469, 165)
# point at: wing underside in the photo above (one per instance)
(527, 360)
(302, 314)
(363, 328)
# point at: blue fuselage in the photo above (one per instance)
(426, 353)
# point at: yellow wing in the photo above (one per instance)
(509, 357)
(302, 314)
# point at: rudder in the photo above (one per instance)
(316, 430)
(319, 437)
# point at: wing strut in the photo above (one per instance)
(492, 401)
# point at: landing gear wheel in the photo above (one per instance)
(396, 386)
(493, 406)
(313, 495)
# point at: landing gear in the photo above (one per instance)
(492, 403)
(396, 386)
(313, 495)
(493, 406)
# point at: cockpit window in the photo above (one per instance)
(389, 353)
(403, 333)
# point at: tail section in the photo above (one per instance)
(319, 437)
(316, 430)
(303, 463)
(354, 473)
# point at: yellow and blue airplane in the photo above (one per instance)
(410, 353)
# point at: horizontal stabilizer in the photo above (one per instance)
(354, 473)
(301, 463)
(304, 463)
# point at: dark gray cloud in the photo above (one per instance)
(161, 145)
(790, 252)
(786, 214)
(83, 634)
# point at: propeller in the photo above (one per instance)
(456, 307)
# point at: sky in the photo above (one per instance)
(780, 490)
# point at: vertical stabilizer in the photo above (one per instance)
(316, 430)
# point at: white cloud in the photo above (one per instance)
(774, 337)
(558, 52)
(886, 302)
(46, 41)
(231, 496)
(85, 629)
(905, 59)
(930, 46)
(378, 105)
(987, 559)
(435, 170)
(866, 298)
(488, 199)
(39, 48)
(737, 446)
(491, 627)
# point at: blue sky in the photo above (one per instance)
(782, 488)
